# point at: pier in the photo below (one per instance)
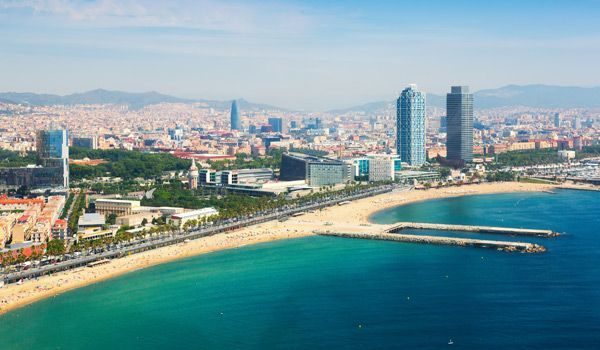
(499, 245)
(468, 228)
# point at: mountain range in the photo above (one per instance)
(542, 96)
(134, 100)
(548, 96)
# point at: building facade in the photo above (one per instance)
(52, 148)
(459, 111)
(193, 175)
(236, 123)
(276, 124)
(410, 126)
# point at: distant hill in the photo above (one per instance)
(539, 96)
(132, 99)
(509, 96)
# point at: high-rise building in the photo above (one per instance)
(236, 123)
(557, 120)
(410, 124)
(53, 152)
(459, 111)
(276, 124)
(577, 123)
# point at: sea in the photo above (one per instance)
(337, 293)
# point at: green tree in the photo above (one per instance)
(55, 247)
(111, 219)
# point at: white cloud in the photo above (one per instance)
(211, 15)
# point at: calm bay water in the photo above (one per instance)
(322, 292)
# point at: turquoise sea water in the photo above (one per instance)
(323, 292)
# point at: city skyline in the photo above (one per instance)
(276, 53)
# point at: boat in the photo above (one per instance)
(450, 342)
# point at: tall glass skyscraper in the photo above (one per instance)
(276, 124)
(459, 112)
(53, 153)
(410, 126)
(236, 123)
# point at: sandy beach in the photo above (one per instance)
(356, 213)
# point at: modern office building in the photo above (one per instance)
(376, 167)
(381, 168)
(236, 123)
(459, 111)
(89, 142)
(410, 124)
(276, 124)
(32, 177)
(314, 170)
(52, 148)
(557, 120)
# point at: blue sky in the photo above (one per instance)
(309, 55)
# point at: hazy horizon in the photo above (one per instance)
(304, 55)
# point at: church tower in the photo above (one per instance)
(193, 175)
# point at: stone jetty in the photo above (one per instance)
(499, 245)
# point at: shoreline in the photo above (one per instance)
(358, 212)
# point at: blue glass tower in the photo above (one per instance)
(236, 123)
(53, 153)
(410, 126)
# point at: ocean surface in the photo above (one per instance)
(335, 293)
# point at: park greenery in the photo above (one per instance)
(124, 164)
(500, 176)
(541, 156)
(245, 161)
(55, 247)
(14, 159)
(76, 211)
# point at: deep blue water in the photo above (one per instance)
(323, 292)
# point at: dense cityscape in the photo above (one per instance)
(58, 200)
(299, 175)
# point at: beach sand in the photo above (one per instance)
(350, 215)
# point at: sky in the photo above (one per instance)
(306, 55)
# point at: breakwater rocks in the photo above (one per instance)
(499, 245)
(472, 228)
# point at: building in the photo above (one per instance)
(276, 124)
(89, 221)
(236, 123)
(315, 171)
(566, 155)
(117, 206)
(137, 219)
(32, 177)
(293, 167)
(361, 169)
(557, 120)
(90, 142)
(53, 152)
(193, 175)
(459, 110)
(381, 168)
(180, 219)
(410, 124)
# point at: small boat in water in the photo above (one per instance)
(450, 342)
